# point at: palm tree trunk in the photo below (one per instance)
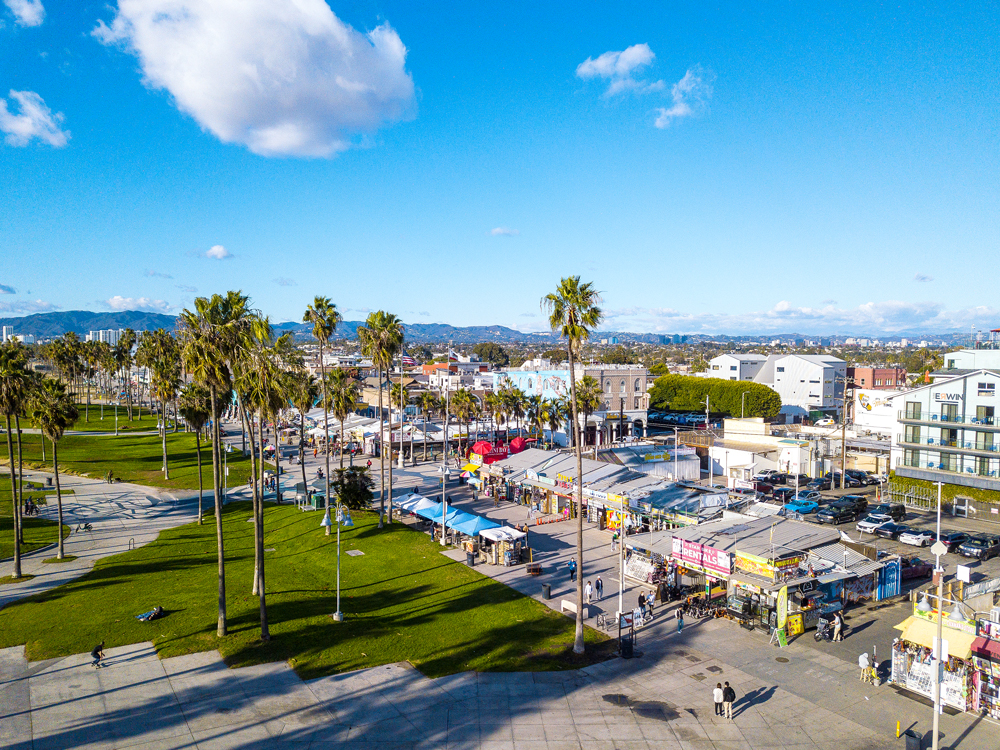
(381, 442)
(13, 498)
(425, 436)
(258, 534)
(326, 439)
(578, 647)
(257, 471)
(217, 490)
(341, 443)
(55, 469)
(388, 378)
(302, 449)
(20, 480)
(197, 446)
(166, 470)
(86, 409)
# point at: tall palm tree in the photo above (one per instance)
(305, 391)
(53, 410)
(212, 332)
(158, 352)
(461, 407)
(380, 337)
(535, 412)
(324, 316)
(588, 400)
(573, 311)
(554, 416)
(428, 403)
(344, 396)
(14, 383)
(196, 408)
(494, 407)
(399, 394)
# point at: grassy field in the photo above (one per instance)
(402, 600)
(38, 532)
(132, 458)
(96, 424)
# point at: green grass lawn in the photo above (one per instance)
(96, 424)
(38, 532)
(133, 458)
(402, 599)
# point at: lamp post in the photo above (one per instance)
(621, 557)
(675, 453)
(444, 463)
(939, 572)
(343, 519)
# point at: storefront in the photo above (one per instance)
(912, 662)
(709, 566)
(502, 546)
(986, 680)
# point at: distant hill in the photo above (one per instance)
(81, 321)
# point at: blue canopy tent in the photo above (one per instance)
(474, 525)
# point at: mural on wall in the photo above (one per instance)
(860, 588)
(544, 383)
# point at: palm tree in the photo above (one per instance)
(212, 332)
(196, 408)
(554, 416)
(573, 311)
(428, 403)
(159, 353)
(462, 407)
(380, 337)
(588, 400)
(344, 396)
(305, 391)
(399, 394)
(53, 411)
(494, 407)
(324, 316)
(536, 414)
(14, 382)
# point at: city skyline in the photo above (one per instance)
(712, 170)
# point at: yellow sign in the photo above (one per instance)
(782, 607)
(754, 565)
(795, 626)
(476, 459)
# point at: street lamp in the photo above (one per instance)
(343, 519)
(444, 461)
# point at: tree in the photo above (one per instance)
(380, 338)
(324, 316)
(555, 415)
(554, 355)
(588, 400)
(53, 410)
(463, 406)
(428, 404)
(123, 359)
(159, 353)
(305, 391)
(196, 408)
(573, 311)
(420, 352)
(344, 396)
(618, 356)
(354, 487)
(491, 352)
(14, 385)
(726, 396)
(212, 332)
(535, 413)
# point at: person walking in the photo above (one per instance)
(98, 654)
(642, 603)
(717, 697)
(572, 570)
(649, 602)
(589, 590)
(680, 621)
(728, 699)
(599, 587)
(838, 626)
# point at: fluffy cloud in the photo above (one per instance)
(28, 306)
(218, 252)
(872, 318)
(504, 232)
(282, 281)
(158, 275)
(27, 12)
(923, 277)
(35, 120)
(618, 68)
(4, 289)
(282, 78)
(690, 95)
(144, 304)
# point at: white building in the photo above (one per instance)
(109, 336)
(875, 411)
(735, 366)
(809, 383)
(947, 431)
(6, 333)
(25, 338)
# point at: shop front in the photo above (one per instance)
(986, 680)
(708, 567)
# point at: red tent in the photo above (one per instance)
(490, 453)
(482, 447)
(518, 444)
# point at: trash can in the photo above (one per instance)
(626, 651)
(48, 481)
(914, 740)
(546, 591)
(470, 559)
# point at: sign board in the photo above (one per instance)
(964, 573)
(782, 638)
(943, 645)
(939, 548)
(795, 626)
(476, 459)
(702, 557)
(625, 620)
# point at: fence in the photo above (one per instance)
(913, 497)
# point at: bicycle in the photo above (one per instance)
(84, 527)
(604, 621)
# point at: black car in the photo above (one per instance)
(849, 481)
(837, 513)
(891, 530)
(954, 539)
(822, 483)
(802, 479)
(982, 547)
(784, 494)
(862, 476)
(858, 502)
(896, 511)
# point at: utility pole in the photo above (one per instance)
(402, 406)
(709, 441)
(843, 436)
(444, 457)
(937, 655)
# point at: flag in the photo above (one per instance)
(409, 361)
(452, 357)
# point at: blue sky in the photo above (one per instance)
(785, 167)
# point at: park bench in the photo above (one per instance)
(565, 605)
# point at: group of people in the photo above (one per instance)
(724, 698)
(594, 588)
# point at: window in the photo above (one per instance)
(862, 383)
(607, 387)
(911, 458)
(949, 462)
(531, 386)
(987, 389)
(732, 367)
(949, 412)
(911, 434)
(733, 377)
(811, 381)
(913, 410)
(636, 406)
(878, 381)
(715, 367)
(623, 390)
(951, 364)
(984, 414)
(780, 369)
(949, 437)
(638, 388)
(984, 441)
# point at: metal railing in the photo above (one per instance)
(945, 419)
(936, 466)
(959, 444)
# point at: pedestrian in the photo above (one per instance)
(680, 621)
(649, 602)
(864, 664)
(590, 592)
(98, 654)
(728, 699)
(614, 540)
(572, 570)
(717, 697)
(599, 587)
(642, 602)
(315, 451)
(838, 626)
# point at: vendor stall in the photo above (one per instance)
(986, 680)
(502, 545)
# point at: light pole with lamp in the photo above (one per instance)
(675, 453)
(343, 519)
(938, 548)
(444, 461)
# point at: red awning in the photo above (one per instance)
(987, 648)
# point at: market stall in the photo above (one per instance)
(986, 680)
(503, 545)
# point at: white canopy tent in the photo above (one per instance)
(503, 534)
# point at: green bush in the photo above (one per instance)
(726, 396)
(948, 491)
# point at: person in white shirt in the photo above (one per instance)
(590, 592)
(717, 697)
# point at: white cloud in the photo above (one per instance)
(34, 121)
(282, 78)
(618, 68)
(27, 12)
(690, 95)
(218, 252)
(504, 232)
(871, 317)
(4, 289)
(923, 277)
(144, 304)
(158, 275)
(28, 306)
(186, 288)
(282, 281)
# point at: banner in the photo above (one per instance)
(782, 607)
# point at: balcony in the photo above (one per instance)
(954, 446)
(986, 423)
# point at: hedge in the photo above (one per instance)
(726, 396)
(949, 491)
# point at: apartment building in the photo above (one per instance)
(878, 378)
(735, 366)
(810, 384)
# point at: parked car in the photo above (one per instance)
(858, 502)
(784, 494)
(771, 476)
(917, 537)
(891, 530)
(763, 488)
(954, 539)
(837, 513)
(872, 521)
(802, 506)
(895, 510)
(981, 547)
(862, 476)
(809, 496)
(834, 479)
(801, 479)
(825, 422)
(914, 567)
(821, 483)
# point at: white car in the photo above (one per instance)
(826, 422)
(869, 523)
(917, 537)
